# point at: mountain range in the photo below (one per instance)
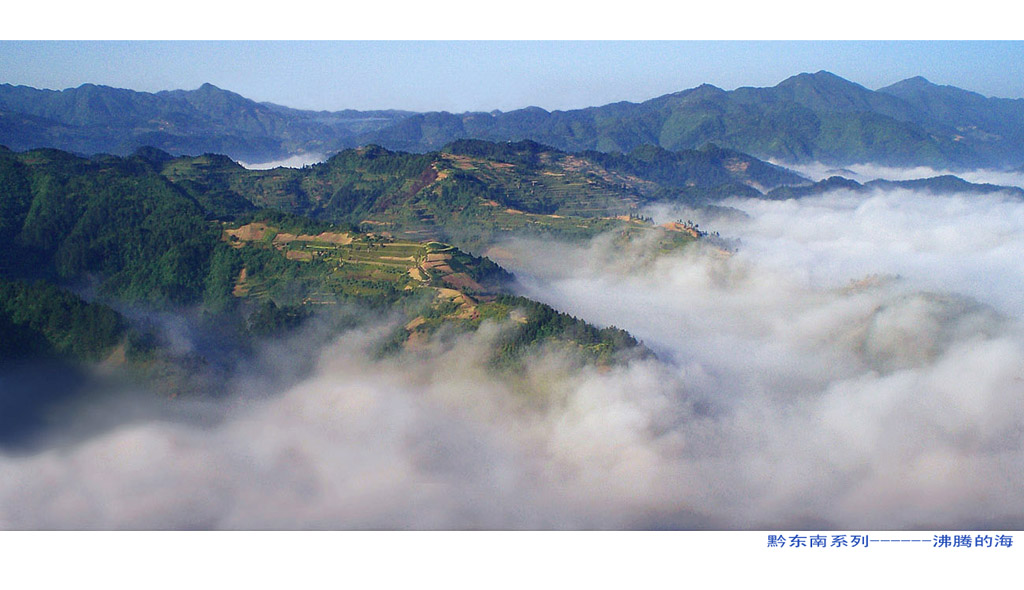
(808, 117)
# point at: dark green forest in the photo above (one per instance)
(40, 320)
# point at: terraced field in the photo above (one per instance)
(364, 267)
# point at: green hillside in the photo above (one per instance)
(473, 192)
(93, 243)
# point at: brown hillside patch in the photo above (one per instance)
(342, 239)
(241, 288)
(453, 295)
(435, 257)
(467, 306)
(425, 179)
(441, 267)
(574, 164)
(333, 238)
(681, 228)
(460, 162)
(462, 282)
(298, 255)
(737, 166)
(249, 233)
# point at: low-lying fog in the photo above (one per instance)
(296, 161)
(867, 172)
(843, 362)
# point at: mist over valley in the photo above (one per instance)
(677, 314)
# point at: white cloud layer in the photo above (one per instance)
(297, 161)
(857, 363)
(867, 172)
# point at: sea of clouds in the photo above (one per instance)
(867, 172)
(296, 161)
(861, 354)
(846, 361)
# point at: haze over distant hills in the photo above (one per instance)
(808, 117)
(98, 119)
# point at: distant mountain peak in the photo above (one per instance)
(918, 80)
(702, 91)
(819, 78)
(210, 92)
(825, 75)
(211, 89)
(921, 86)
(915, 83)
(89, 88)
(532, 110)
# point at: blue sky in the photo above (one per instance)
(484, 75)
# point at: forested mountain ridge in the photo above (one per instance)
(472, 190)
(371, 226)
(91, 243)
(819, 117)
